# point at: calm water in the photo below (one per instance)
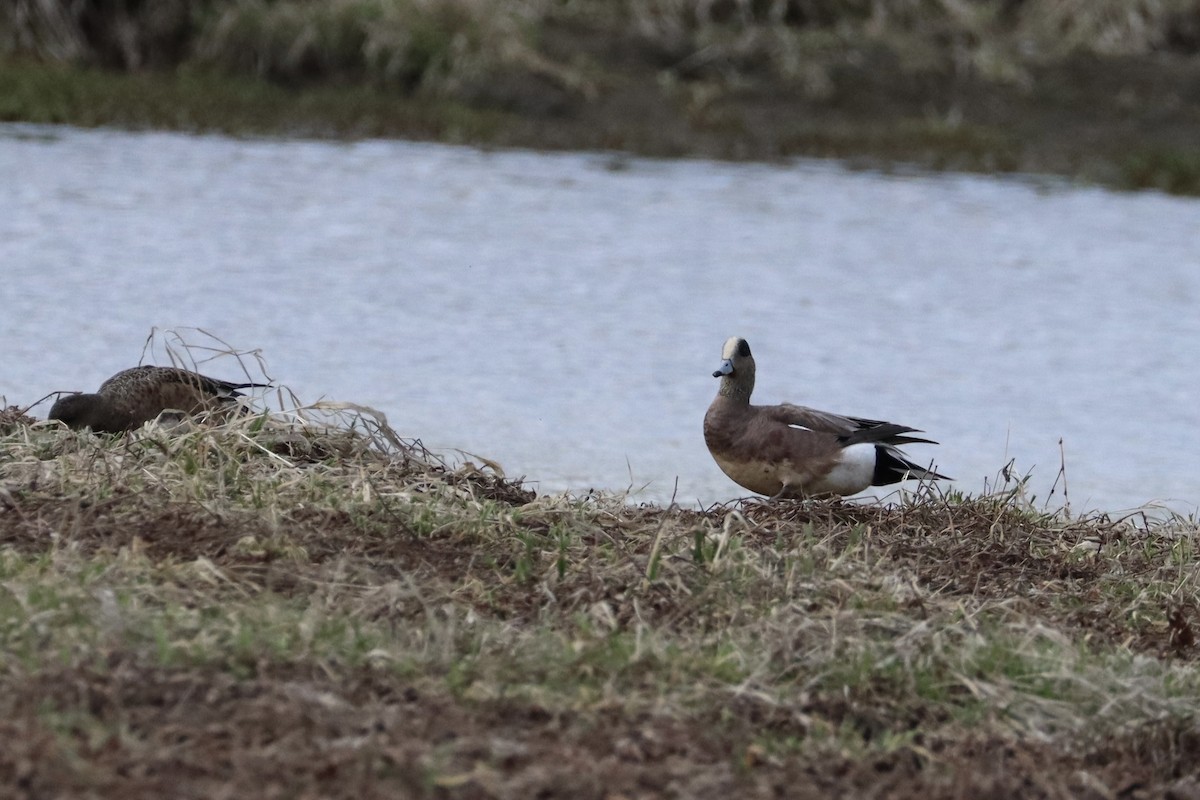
(563, 313)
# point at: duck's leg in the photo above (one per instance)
(785, 493)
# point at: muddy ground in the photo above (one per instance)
(295, 734)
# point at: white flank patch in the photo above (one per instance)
(851, 474)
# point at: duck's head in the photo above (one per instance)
(737, 368)
(85, 411)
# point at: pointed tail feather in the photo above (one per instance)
(892, 467)
(909, 440)
(884, 433)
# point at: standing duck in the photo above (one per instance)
(792, 451)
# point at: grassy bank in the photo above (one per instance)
(1103, 90)
(282, 610)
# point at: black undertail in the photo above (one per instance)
(891, 468)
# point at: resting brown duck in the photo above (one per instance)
(135, 396)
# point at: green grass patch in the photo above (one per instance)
(1169, 170)
(208, 102)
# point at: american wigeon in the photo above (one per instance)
(793, 451)
(135, 396)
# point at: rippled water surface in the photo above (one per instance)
(563, 313)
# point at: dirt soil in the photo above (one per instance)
(185, 734)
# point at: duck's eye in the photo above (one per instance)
(743, 348)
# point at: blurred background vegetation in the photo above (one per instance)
(434, 43)
(940, 59)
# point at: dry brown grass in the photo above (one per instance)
(426, 46)
(809, 42)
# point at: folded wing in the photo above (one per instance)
(849, 430)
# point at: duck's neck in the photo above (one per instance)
(105, 417)
(737, 391)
